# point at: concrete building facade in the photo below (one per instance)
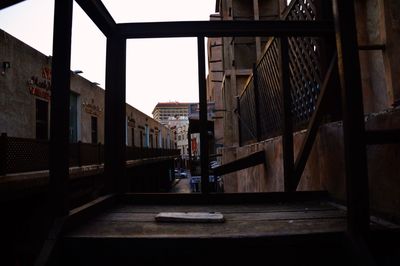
(164, 110)
(231, 59)
(25, 89)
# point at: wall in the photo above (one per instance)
(392, 52)
(325, 166)
(214, 83)
(138, 121)
(90, 103)
(31, 69)
(17, 104)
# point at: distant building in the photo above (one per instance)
(179, 128)
(25, 94)
(163, 111)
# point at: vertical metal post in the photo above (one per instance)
(256, 103)
(115, 113)
(239, 120)
(59, 118)
(203, 115)
(287, 126)
(353, 118)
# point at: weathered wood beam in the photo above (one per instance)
(225, 29)
(81, 214)
(99, 14)
(221, 198)
(355, 156)
(315, 121)
(240, 164)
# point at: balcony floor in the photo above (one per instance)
(250, 220)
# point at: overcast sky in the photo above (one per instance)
(158, 70)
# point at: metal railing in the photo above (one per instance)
(26, 155)
(260, 102)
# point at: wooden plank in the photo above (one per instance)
(224, 198)
(353, 117)
(218, 216)
(190, 217)
(226, 209)
(85, 212)
(240, 164)
(46, 253)
(59, 105)
(225, 28)
(229, 229)
(287, 124)
(204, 152)
(315, 121)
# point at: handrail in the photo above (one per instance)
(25, 154)
(305, 75)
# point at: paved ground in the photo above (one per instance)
(182, 186)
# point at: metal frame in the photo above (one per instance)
(354, 132)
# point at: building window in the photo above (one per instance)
(147, 137)
(73, 118)
(141, 139)
(42, 116)
(151, 140)
(94, 129)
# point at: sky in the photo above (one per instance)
(158, 70)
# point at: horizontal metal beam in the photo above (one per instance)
(7, 3)
(240, 164)
(225, 29)
(99, 14)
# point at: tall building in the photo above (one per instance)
(163, 111)
(230, 62)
